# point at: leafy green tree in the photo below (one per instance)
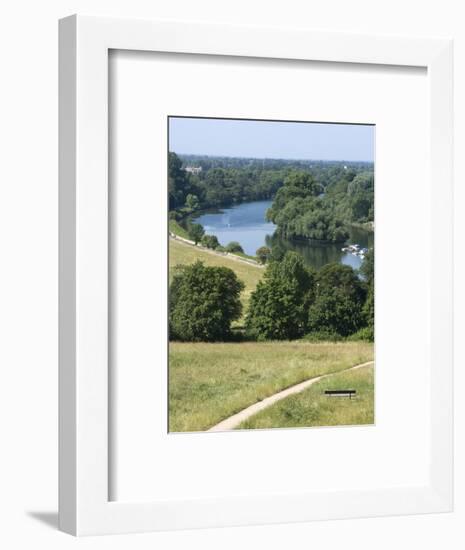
(203, 303)
(263, 254)
(277, 252)
(369, 310)
(367, 268)
(192, 202)
(178, 181)
(368, 272)
(234, 246)
(339, 299)
(278, 306)
(210, 241)
(195, 232)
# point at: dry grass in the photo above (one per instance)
(210, 382)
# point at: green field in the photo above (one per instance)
(182, 253)
(210, 382)
(313, 408)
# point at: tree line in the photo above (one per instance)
(218, 186)
(306, 208)
(291, 301)
(311, 199)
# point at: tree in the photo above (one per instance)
(367, 268)
(277, 252)
(203, 303)
(278, 306)
(234, 246)
(178, 181)
(195, 231)
(368, 272)
(192, 202)
(339, 299)
(263, 254)
(369, 310)
(210, 241)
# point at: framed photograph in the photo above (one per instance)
(255, 275)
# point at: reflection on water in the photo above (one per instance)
(246, 224)
(319, 254)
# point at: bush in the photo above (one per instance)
(365, 334)
(234, 246)
(210, 241)
(203, 303)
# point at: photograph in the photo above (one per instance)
(271, 227)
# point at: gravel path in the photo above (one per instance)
(236, 419)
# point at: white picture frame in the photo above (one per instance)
(84, 505)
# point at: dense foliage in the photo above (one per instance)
(339, 300)
(263, 254)
(203, 303)
(278, 307)
(233, 247)
(293, 300)
(210, 241)
(219, 186)
(306, 209)
(368, 272)
(196, 232)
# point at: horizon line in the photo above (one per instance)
(271, 158)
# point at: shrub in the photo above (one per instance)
(263, 254)
(365, 334)
(210, 241)
(234, 246)
(203, 303)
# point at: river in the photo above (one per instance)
(246, 224)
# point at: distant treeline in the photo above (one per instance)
(215, 186)
(316, 166)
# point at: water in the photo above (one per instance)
(246, 224)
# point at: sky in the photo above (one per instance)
(270, 139)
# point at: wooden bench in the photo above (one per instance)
(341, 393)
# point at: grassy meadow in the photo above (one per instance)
(210, 382)
(313, 408)
(182, 253)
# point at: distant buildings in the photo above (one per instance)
(193, 169)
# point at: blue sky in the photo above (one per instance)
(265, 139)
